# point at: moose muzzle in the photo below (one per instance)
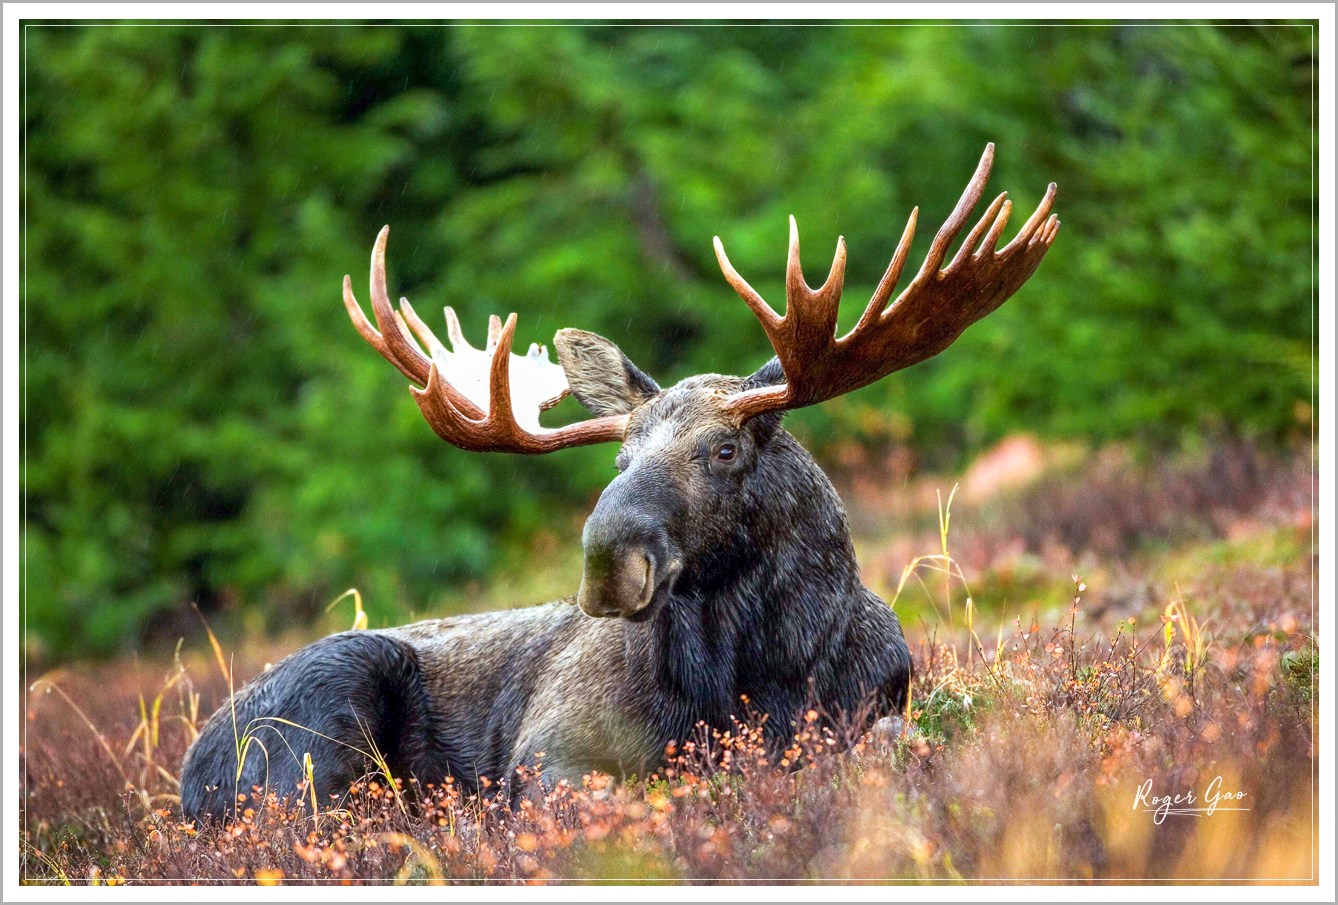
(630, 563)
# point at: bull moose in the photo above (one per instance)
(718, 563)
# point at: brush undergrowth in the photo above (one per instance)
(1026, 753)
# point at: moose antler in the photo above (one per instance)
(924, 320)
(468, 395)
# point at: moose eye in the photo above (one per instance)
(725, 452)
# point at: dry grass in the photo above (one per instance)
(1028, 741)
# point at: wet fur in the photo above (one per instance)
(769, 605)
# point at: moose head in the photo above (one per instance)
(700, 461)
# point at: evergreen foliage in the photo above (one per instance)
(203, 424)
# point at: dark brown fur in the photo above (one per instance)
(725, 575)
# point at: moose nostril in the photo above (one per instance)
(618, 582)
(648, 586)
(636, 580)
(646, 581)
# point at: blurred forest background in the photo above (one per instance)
(203, 424)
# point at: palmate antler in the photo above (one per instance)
(469, 396)
(924, 320)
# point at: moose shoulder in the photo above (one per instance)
(718, 563)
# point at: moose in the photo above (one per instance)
(718, 563)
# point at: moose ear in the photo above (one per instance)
(601, 377)
(769, 375)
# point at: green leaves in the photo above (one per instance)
(203, 423)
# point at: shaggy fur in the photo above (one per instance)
(763, 600)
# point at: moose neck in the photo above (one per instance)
(772, 605)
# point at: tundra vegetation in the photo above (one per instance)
(200, 488)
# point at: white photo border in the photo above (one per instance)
(14, 301)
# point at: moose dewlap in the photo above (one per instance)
(718, 563)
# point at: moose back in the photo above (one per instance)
(718, 563)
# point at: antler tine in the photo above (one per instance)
(765, 313)
(992, 239)
(810, 314)
(795, 286)
(957, 219)
(499, 376)
(1052, 227)
(973, 237)
(1037, 218)
(891, 277)
(422, 330)
(392, 344)
(368, 332)
(414, 362)
(408, 334)
(457, 336)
